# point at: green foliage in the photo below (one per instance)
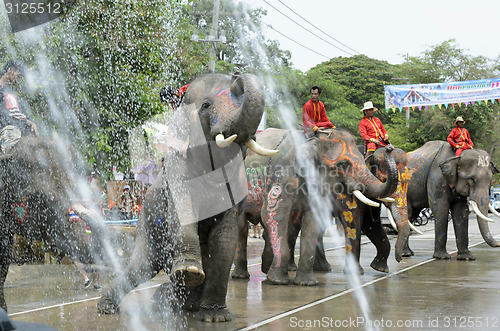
(447, 62)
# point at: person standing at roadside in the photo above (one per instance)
(314, 115)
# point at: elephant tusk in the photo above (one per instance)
(391, 219)
(497, 214)
(478, 212)
(256, 148)
(414, 228)
(390, 200)
(224, 142)
(361, 197)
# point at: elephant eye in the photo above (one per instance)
(206, 104)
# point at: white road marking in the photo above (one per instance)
(318, 302)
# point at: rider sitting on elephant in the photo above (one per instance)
(372, 130)
(314, 114)
(13, 122)
(459, 137)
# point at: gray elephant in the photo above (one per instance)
(37, 189)
(396, 208)
(227, 110)
(447, 183)
(342, 175)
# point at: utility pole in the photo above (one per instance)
(212, 38)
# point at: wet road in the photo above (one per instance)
(420, 293)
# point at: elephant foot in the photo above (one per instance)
(407, 252)
(466, 256)
(322, 266)
(292, 266)
(240, 274)
(278, 279)
(107, 306)
(380, 265)
(441, 255)
(307, 279)
(214, 313)
(187, 272)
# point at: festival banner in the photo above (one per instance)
(430, 95)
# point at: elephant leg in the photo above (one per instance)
(310, 230)
(460, 215)
(275, 218)
(353, 241)
(187, 268)
(440, 209)
(412, 215)
(267, 252)
(376, 234)
(320, 262)
(5, 256)
(150, 245)
(241, 255)
(293, 234)
(218, 243)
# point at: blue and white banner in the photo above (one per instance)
(425, 95)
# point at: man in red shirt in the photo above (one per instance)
(314, 114)
(459, 137)
(372, 130)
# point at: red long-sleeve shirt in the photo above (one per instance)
(460, 137)
(314, 116)
(371, 128)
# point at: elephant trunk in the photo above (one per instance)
(374, 188)
(95, 221)
(481, 210)
(248, 90)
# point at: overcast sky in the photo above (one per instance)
(385, 30)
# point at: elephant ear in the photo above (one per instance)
(493, 168)
(449, 169)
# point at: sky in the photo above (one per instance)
(385, 30)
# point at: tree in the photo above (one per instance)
(447, 62)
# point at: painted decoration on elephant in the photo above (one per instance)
(446, 93)
(20, 211)
(255, 193)
(271, 208)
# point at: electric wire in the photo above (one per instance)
(327, 57)
(332, 59)
(352, 49)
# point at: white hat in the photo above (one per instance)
(126, 187)
(368, 105)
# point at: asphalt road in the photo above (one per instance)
(419, 293)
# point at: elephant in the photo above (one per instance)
(229, 109)
(342, 175)
(447, 183)
(396, 208)
(38, 186)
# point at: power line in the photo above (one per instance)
(293, 11)
(327, 57)
(326, 41)
(362, 59)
